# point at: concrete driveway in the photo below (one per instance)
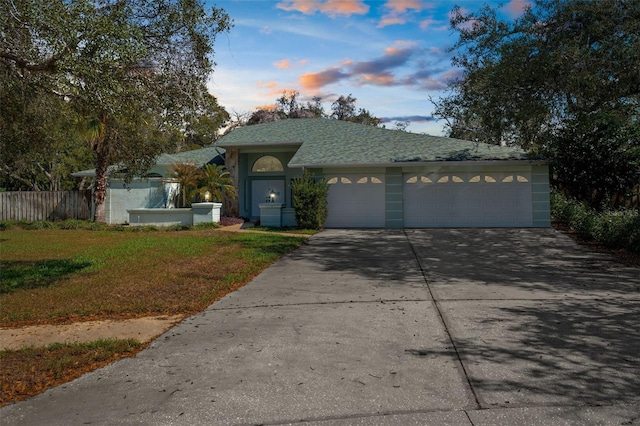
(459, 327)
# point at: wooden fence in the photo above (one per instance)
(45, 205)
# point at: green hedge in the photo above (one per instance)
(310, 201)
(616, 229)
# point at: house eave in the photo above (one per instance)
(259, 145)
(417, 164)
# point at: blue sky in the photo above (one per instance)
(389, 54)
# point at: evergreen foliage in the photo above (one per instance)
(310, 201)
(132, 72)
(616, 229)
(562, 81)
(195, 182)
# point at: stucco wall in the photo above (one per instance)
(140, 193)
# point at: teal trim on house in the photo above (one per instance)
(540, 196)
(394, 198)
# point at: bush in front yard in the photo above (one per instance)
(618, 229)
(310, 201)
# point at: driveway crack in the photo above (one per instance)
(444, 323)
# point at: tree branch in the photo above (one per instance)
(49, 65)
(7, 171)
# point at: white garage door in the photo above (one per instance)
(356, 201)
(467, 200)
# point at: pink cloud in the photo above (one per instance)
(378, 80)
(401, 6)
(315, 80)
(515, 7)
(267, 84)
(391, 20)
(331, 8)
(377, 71)
(287, 64)
(283, 64)
(272, 90)
(266, 107)
(427, 23)
(399, 11)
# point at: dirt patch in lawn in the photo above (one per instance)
(25, 375)
(141, 329)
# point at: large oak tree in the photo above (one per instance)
(134, 71)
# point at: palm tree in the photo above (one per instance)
(188, 177)
(97, 132)
(217, 181)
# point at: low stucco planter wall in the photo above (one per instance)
(206, 212)
(271, 214)
(198, 213)
(160, 217)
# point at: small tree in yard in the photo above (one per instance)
(187, 176)
(194, 182)
(217, 181)
(310, 201)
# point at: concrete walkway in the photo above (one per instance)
(459, 327)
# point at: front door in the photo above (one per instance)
(260, 193)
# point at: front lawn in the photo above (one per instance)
(55, 276)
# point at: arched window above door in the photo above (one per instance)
(266, 164)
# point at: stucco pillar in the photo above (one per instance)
(232, 164)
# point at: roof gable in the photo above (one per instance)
(328, 142)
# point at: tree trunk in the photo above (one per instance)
(100, 187)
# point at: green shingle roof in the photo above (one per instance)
(327, 142)
(199, 157)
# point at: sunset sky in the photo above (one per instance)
(391, 55)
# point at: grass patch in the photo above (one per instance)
(105, 274)
(30, 371)
(18, 275)
(286, 230)
(207, 225)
